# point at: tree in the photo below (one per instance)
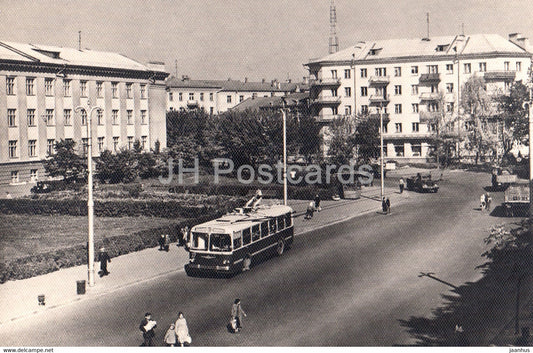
(65, 162)
(367, 139)
(479, 109)
(341, 147)
(117, 168)
(308, 137)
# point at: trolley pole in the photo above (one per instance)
(284, 154)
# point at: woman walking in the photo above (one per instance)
(182, 331)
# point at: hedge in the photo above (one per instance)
(40, 264)
(114, 208)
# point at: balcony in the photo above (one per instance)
(192, 103)
(327, 100)
(429, 78)
(499, 75)
(429, 117)
(379, 99)
(327, 118)
(326, 82)
(429, 96)
(378, 80)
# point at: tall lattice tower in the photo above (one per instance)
(333, 40)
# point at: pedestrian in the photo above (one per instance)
(147, 327)
(182, 331)
(482, 202)
(402, 185)
(232, 325)
(310, 210)
(104, 258)
(237, 313)
(161, 242)
(384, 205)
(488, 201)
(317, 203)
(166, 243)
(170, 336)
(388, 205)
(186, 237)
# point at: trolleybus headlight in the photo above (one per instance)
(225, 262)
(193, 255)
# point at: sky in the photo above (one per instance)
(256, 39)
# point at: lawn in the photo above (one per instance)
(22, 235)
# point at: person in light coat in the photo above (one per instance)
(170, 336)
(182, 331)
(238, 313)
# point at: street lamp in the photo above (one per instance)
(530, 120)
(90, 202)
(284, 114)
(381, 150)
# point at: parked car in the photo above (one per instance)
(516, 199)
(422, 183)
(502, 178)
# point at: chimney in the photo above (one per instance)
(263, 80)
(246, 80)
(519, 40)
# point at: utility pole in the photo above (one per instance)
(284, 152)
(381, 151)
(530, 120)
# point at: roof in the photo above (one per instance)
(237, 221)
(433, 47)
(47, 54)
(291, 100)
(233, 85)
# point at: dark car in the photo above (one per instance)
(422, 183)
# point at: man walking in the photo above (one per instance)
(238, 314)
(402, 185)
(104, 258)
(147, 327)
(388, 205)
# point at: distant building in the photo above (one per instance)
(40, 88)
(218, 96)
(406, 77)
(294, 102)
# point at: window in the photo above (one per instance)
(100, 117)
(199, 240)
(170, 97)
(114, 89)
(363, 73)
(34, 175)
(11, 117)
(12, 149)
(416, 150)
(449, 88)
(228, 99)
(114, 117)
(506, 66)
(399, 149)
(115, 143)
(414, 90)
(30, 115)
(280, 222)
(83, 117)
(334, 92)
(191, 96)
(83, 88)
(272, 226)
(211, 96)
(49, 86)
(237, 241)
(129, 93)
(180, 96)
(449, 68)
(29, 86)
(288, 220)
(449, 107)
(347, 73)
(482, 67)
(14, 176)
(348, 110)
(129, 116)
(398, 127)
(518, 66)
(49, 117)
(416, 127)
(32, 148)
(433, 107)
(10, 86)
(255, 233)
(143, 117)
(364, 91)
(467, 68)
(211, 110)
(50, 146)
(66, 88)
(202, 96)
(246, 236)
(415, 107)
(434, 88)
(241, 98)
(398, 90)
(85, 145)
(220, 242)
(100, 144)
(398, 71)
(433, 69)
(364, 109)
(99, 89)
(144, 140)
(414, 70)
(130, 142)
(381, 71)
(385, 128)
(348, 91)
(397, 108)
(333, 73)
(143, 91)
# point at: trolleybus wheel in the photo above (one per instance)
(280, 247)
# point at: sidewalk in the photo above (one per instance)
(18, 299)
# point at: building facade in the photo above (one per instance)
(216, 96)
(41, 87)
(408, 80)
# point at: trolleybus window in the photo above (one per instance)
(264, 229)
(246, 236)
(237, 240)
(281, 222)
(255, 232)
(272, 226)
(199, 241)
(220, 242)
(288, 220)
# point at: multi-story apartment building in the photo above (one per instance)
(41, 87)
(409, 79)
(216, 96)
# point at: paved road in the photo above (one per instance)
(348, 284)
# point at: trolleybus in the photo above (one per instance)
(230, 243)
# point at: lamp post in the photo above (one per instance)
(284, 114)
(90, 202)
(530, 120)
(381, 150)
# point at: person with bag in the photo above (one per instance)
(147, 328)
(237, 313)
(182, 331)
